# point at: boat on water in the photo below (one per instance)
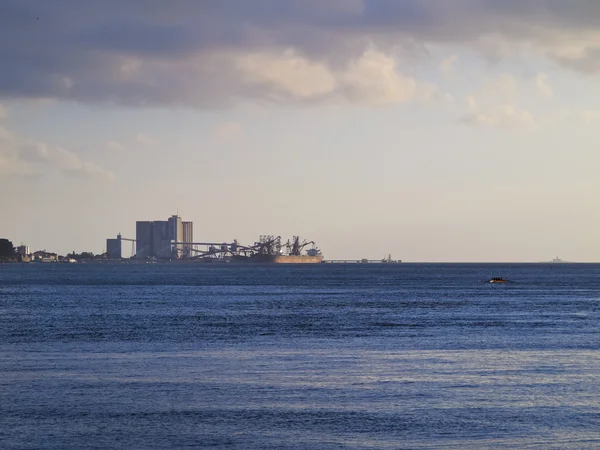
(498, 280)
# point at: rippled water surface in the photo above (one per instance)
(319, 356)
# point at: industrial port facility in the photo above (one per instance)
(173, 239)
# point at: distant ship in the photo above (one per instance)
(270, 250)
(388, 260)
(557, 260)
(280, 259)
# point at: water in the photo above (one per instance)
(322, 356)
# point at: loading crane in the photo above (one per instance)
(133, 242)
(267, 245)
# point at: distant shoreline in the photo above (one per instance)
(324, 263)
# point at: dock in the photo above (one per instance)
(361, 261)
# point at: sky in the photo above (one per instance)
(434, 131)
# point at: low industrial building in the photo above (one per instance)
(114, 248)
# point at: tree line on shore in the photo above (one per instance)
(8, 252)
(7, 249)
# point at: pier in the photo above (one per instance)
(361, 261)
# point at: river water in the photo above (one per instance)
(152, 356)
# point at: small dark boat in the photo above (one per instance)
(498, 280)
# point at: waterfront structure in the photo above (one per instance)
(161, 244)
(23, 250)
(268, 249)
(44, 256)
(175, 233)
(155, 238)
(114, 248)
(188, 238)
(143, 239)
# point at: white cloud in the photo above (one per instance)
(10, 163)
(448, 65)
(501, 88)
(372, 78)
(496, 104)
(569, 46)
(94, 170)
(20, 156)
(543, 87)
(289, 73)
(66, 159)
(15, 167)
(32, 151)
(3, 112)
(501, 116)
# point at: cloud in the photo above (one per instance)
(214, 54)
(10, 162)
(23, 157)
(10, 167)
(495, 105)
(500, 88)
(447, 66)
(3, 112)
(289, 74)
(543, 87)
(371, 78)
(500, 116)
(227, 131)
(64, 160)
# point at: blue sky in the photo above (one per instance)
(434, 131)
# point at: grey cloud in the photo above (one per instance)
(184, 52)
